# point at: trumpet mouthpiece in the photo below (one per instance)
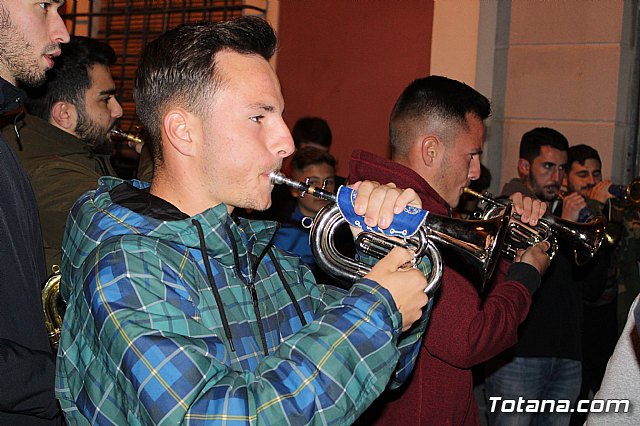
(277, 178)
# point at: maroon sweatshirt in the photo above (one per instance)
(463, 331)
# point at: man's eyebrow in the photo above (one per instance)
(263, 107)
(112, 91)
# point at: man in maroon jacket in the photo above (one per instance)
(437, 135)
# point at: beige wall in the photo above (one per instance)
(563, 71)
(563, 64)
(454, 47)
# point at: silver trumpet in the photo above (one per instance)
(585, 238)
(476, 242)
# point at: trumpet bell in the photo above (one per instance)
(585, 238)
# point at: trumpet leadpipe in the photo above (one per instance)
(305, 188)
(126, 136)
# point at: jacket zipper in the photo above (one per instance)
(250, 285)
(256, 310)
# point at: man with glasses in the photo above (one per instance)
(319, 167)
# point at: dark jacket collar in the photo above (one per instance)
(10, 96)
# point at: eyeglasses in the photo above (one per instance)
(328, 183)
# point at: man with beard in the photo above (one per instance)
(545, 364)
(30, 36)
(588, 192)
(64, 144)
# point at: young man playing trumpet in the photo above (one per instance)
(178, 311)
(437, 136)
(588, 192)
(64, 141)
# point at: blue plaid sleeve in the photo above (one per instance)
(409, 342)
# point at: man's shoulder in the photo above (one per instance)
(516, 185)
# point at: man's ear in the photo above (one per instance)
(524, 167)
(65, 116)
(182, 129)
(430, 150)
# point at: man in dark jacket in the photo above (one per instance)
(64, 141)
(437, 136)
(30, 38)
(545, 363)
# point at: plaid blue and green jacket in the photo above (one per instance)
(201, 321)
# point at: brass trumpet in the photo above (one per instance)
(476, 242)
(629, 193)
(50, 301)
(125, 136)
(585, 238)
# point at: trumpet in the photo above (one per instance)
(629, 193)
(125, 136)
(50, 301)
(585, 238)
(476, 242)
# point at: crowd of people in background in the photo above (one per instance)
(193, 295)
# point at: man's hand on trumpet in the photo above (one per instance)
(407, 286)
(529, 209)
(600, 191)
(535, 256)
(572, 205)
(378, 203)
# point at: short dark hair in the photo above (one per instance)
(68, 80)
(179, 67)
(433, 101)
(312, 129)
(581, 153)
(309, 156)
(536, 138)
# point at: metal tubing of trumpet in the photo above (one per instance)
(280, 179)
(476, 243)
(330, 259)
(127, 136)
(585, 238)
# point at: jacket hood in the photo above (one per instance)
(366, 165)
(95, 218)
(59, 142)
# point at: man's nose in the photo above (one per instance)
(116, 109)
(474, 168)
(282, 140)
(58, 30)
